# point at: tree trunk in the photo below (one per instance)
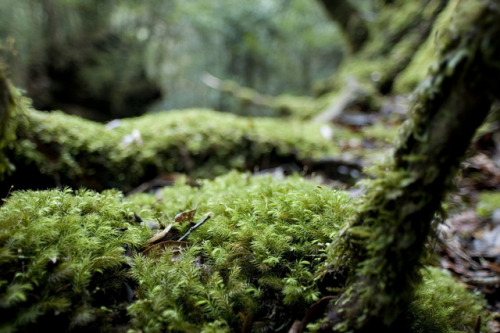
(350, 20)
(7, 124)
(387, 239)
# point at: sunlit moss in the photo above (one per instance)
(396, 33)
(260, 250)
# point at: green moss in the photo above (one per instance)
(442, 305)
(300, 107)
(200, 142)
(417, 69)
(397, 32)
(487, 203)
(210, 142)
(252, 264)
(260, 250)
(61, 258)
(12, 107)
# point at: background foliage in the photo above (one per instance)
(121, 55)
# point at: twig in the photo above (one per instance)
(194, 228)
(487, 281)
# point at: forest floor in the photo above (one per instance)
(469, 240)
(468, 243)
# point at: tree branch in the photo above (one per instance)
(350, 20)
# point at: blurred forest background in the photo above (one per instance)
(111, 59)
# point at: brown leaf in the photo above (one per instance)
(175, 245)
(160, 236)
(187, 216)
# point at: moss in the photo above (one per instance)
(253, 264)
(300, 107)
(62, 255)
(440, 304)
(199, 142)
(415, 72)
(12, 107)
(487, 203)
(396, 33)
(260, 250)
(388, 237)
(398, 30)
(61, 259)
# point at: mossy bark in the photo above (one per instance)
(387, 239)
(350, 20)
(397, 31)
(7, 124)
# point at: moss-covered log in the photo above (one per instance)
(387, 239)
(398, 31)
(57, 149)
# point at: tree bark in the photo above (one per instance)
(350, 20)
(387, 239)
(7, 124)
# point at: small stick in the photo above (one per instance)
(194, 228)
(487, 281)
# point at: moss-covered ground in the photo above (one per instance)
(76, 260)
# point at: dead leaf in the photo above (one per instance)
(175, 245)
(187, 216)
(160, 236)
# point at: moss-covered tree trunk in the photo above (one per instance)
(386, 240)
(387, 43)
(350, 20)
(7, 124)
